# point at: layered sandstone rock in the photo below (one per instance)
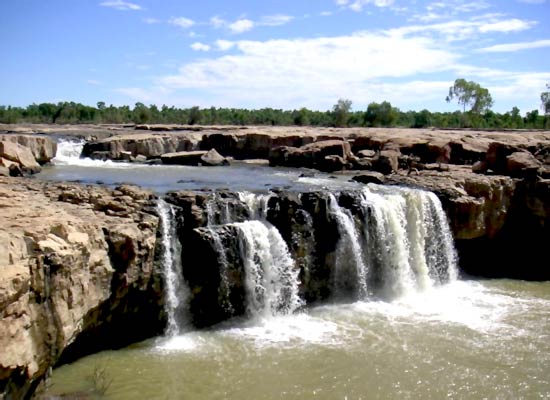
(43, 148)
(75, 262)
(145, 144)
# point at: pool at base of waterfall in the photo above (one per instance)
(466, 339)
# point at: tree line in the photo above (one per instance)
(476, 113)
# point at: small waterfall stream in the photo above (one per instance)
(271, 279)
(350, 270)
(176, 291)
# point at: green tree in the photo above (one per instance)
(470, 94)
(545, 98)
(194, 115)
(341, 112)
(422, 119)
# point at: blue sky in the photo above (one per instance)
(283, 54)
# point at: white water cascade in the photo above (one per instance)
(68, 153)
(271, 278)
(409, 244)
(350, 270)
(176, 291)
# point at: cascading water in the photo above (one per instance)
(409, 244)
(389, 242)
(271, 278)
(176, 292)
(256, 203)
(68, 151)
(350, 271)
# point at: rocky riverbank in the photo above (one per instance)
(76, 266)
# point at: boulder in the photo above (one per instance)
(213, 159)
(365, 153)
(480, 167)
(193, 158)
(522, 164)
(387, 162)
(4, 171)
(42, 148)
(15, 170)
(19, 154)
(333, 163)
(370, 177)
(313, 155)
(497, 154)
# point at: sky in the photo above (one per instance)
(274, 53)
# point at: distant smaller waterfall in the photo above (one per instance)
(68, 151)
(271, 277)
(176, 291)
(256, 203)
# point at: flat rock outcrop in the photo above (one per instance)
(23, 154)
(150, 145)
(76, 267)
(43, 148)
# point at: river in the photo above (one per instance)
(467, 338)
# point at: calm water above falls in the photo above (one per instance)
(463, 339)
(67, 166)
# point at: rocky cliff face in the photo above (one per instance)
(76, 263)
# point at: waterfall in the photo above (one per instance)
(176, 291)
(409, 244)
(350, 272)
(68, 152)
(257, 204)
(271, 277)
(224, 290)
(382, 242)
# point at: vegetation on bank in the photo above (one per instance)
(475, 100)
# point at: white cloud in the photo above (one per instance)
(121, 5)
(182, 22)
(287, 73)
(275, 20)
(510, 25)
(93, 82)
(151, 21)
(217, 22)
(325, 13)
(244, 24)
(224, 45)
(198, 46)
(511, 47)
(358, 5)
(241, 25)
(457, 30)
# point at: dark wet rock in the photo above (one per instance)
(369, 177)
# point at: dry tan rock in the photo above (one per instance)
(19, 154)
(43, 148)
(146, 144)
(522, 163)
(60, 255)
(183, 157)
